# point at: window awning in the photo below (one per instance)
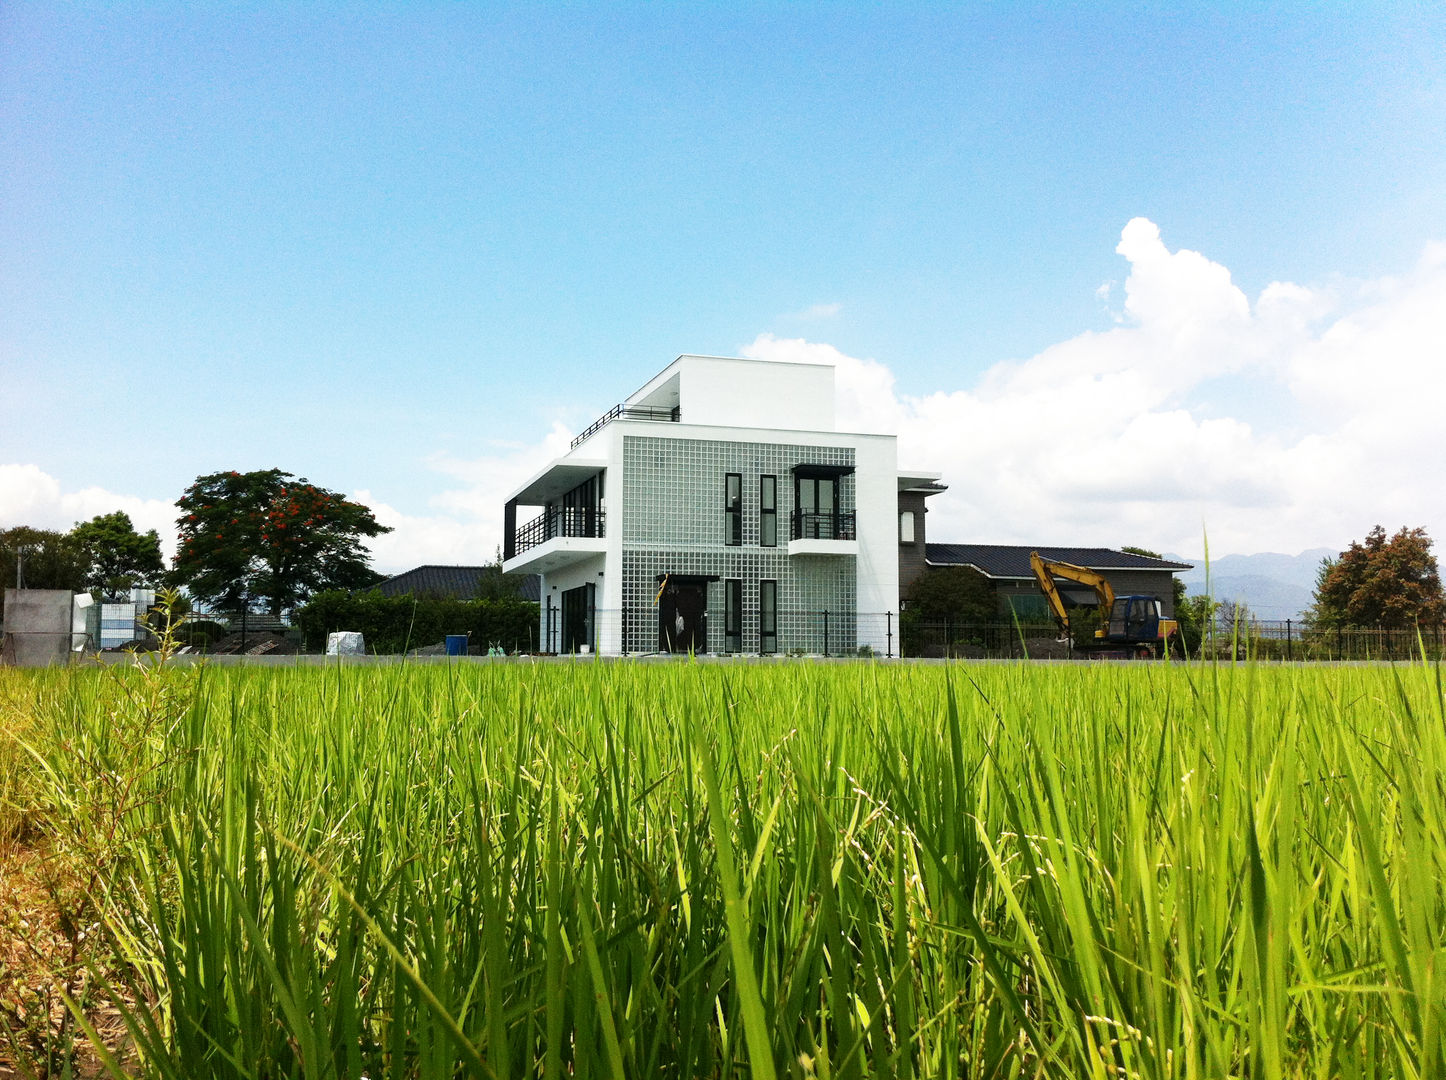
(822, 472)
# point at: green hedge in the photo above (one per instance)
(395, 624)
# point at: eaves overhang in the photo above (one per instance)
(921, 483)
(556, 480)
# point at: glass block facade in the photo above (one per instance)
(674, 521)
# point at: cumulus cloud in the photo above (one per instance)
(1154, 431)
(465, 525)
(1296, 420)
(30, 496)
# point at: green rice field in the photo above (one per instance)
(643, 869)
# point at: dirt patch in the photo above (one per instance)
(49, 942)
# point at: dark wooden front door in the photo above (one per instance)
(683, 617)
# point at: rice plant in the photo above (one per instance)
(717, 870)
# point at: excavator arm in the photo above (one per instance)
(1046, 571)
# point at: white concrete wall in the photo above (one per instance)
(876, 504)
(756, 393)
(560, 581)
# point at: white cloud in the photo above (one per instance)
(466, 527)
(1294, 421)
(30, 496)
(1119, 437)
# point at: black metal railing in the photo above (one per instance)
(628, 412)
(559, 521)
(836, 525)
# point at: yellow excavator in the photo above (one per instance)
(1135, 626)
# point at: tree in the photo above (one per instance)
(1231, 615)
(40, 559)
(960, 594)
(1195, 615)
(493, 584)
(271, 536)
(1389, 583)
(118, 557)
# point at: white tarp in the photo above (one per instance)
(80, 621)
(345, 643)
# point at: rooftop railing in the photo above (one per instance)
(627, 412)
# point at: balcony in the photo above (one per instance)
(556, 537)
(627, 412)
(834, 525)
(559, 521)
(829, 533)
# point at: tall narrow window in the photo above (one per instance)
(732, 615)
(768, 616)
(906, 526)
(733, 508)
(768, 511)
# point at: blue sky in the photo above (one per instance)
(393, 247)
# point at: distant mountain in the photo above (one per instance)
(1272, 585)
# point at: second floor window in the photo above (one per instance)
(768, 511)
(733, 508)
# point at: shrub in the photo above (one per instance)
(395, 624)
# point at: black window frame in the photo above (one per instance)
(815, 520)
(733, 509)
(733, 615)
(767, 511)
(767, 617)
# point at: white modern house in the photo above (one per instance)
(717, 510)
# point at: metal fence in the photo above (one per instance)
(1296, 639)
(635, 631)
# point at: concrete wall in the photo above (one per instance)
(728, 391)
(589, 571)
(37, 627)
(911, 556)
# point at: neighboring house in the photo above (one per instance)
(1007, 567)
(455, 582)
(913, 542)
(716, 510)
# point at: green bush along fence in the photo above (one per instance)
(395, 624)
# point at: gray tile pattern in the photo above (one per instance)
(673, 521)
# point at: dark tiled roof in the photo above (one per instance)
(1012, 561)
(457, 581)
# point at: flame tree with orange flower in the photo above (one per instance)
(271, 536)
